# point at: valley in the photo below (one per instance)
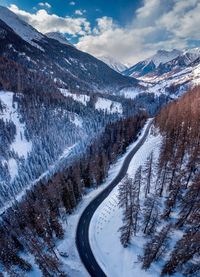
(99, 159)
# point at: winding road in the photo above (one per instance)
(82, 233)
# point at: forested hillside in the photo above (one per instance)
(161, 202)
(33, 225)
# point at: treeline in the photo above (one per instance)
(34, 224)
(162, 201)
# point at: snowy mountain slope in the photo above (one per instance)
(113, 63)
(82, 98)
(163, 56)
(28, 153)
(101, 104)
(174, 84)
(149, 65)
(108, 106)
(21, 28)
(59, 37)
(20, 144)
(172, 76)
(64, 64)
(163, 62)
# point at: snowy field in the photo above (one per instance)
(82, 98)
(108, 106)
(102, 104)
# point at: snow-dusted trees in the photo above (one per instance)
(184, 251)
(156, 247)
(125, 202)
(171, 203)
(148, 173)
(34, 224)
(129, 192)
(190, 205)
(150, 214)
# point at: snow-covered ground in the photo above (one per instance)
(104, 236)
(108, 106)
(12, 163)
(82, 98)
(76, 119)
(20, 144)
(188, 77)
(73, 265)
(130, 93)
(24, 30)
(102, 104)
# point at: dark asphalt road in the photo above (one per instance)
(82, 234)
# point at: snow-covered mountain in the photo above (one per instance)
(149, 65)
(113, 63)
(172, 74)
(163, 62)
(20, 27)
(33, 69)
(59, 37)
(175, 84)
(71, 68)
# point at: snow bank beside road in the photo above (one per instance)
(103, 233)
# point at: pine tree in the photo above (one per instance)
(148, 172)
(155, 247)
(150, 214)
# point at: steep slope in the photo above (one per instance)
(172, 77)
(151, 64)
(24, 30)
(113, 63)
(70, 68)
(176, 80)
(59, 37)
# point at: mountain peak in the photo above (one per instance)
(59, 37)
(113, 63)
(21, 28)
(164, 56)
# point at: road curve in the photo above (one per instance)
(82, 232)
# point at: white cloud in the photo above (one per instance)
(72, 3)
(45, 22)
(80, 12)
(183, 21)
(157, 24)
(44, 4)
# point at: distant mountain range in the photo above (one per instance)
(162, 62)
(168, 72)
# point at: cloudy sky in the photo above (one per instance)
(128, 30)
